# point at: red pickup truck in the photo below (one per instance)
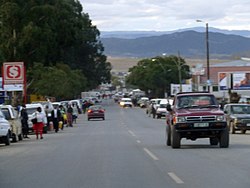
(196, 115)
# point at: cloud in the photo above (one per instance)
(163, 15)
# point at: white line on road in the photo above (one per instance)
(132, 133)
(150, 154)
(138, 141)
(175, 178)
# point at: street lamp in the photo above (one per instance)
(207, 49)
(164, 70)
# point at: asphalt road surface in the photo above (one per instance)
(127, 150)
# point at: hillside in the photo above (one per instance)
(190, 44)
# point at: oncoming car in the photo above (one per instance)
(126, 102)
(96, 112)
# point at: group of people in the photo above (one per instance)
(57, 117)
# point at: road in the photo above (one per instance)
(127, 150)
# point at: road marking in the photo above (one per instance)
(175, 178)
(150, 154)
(138, 141)
(132, 133)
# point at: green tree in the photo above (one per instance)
(156, 74)
(50, 32)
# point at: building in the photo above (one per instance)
(233, 75)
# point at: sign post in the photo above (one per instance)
(14, 73)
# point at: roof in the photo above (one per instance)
(236, 63)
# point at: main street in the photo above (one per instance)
(126, 150)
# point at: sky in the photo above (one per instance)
(167, 15)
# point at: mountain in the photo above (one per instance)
(188, 43)
(139, 34)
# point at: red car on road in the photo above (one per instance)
(96, 112)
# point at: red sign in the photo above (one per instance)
(13, 73)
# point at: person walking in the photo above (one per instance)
(69, 116)
(39, 123)
(24, 121)
(75, 112)
(56, 117)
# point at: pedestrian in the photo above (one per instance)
(69, 116)
(63, 114)
(38, 124)
(56, 117)
(75, 112)
(24, 121)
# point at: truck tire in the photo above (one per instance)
(175, 138)
(214, 141)
(224, 139)
(168, 136)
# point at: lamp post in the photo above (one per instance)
(207, 50)
(165, 72)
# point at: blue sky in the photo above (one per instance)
(167, 15)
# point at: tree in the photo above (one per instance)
(58, 81)
(156, 74)
(52, 32)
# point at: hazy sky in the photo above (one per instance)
(166, 15)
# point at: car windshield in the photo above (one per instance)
(196, 101)
(240, 109)
(96, 107)
(31, 110)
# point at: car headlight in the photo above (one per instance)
(180, 119)
(220, 118)
(121, 103)
(237, 120)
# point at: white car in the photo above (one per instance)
(15, 122)
(126, 102)
(31, 108)
(162, 108)
(5, 130)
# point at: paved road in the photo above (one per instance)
(127, 150)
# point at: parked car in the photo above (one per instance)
(31, 108)
(196, 115)
(238, 117)
(5, 130)
(96, 111)
(126, 102)
(15, 122)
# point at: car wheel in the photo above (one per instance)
(168, 136)
(224, 138)
(88, 119)
(232, 128)
(214, 141)
(175, 138)
(103, 118)
(7, 139)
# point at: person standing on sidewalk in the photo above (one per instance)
(24, 121)
(69, 116)
(38, 126)
(56, 117)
